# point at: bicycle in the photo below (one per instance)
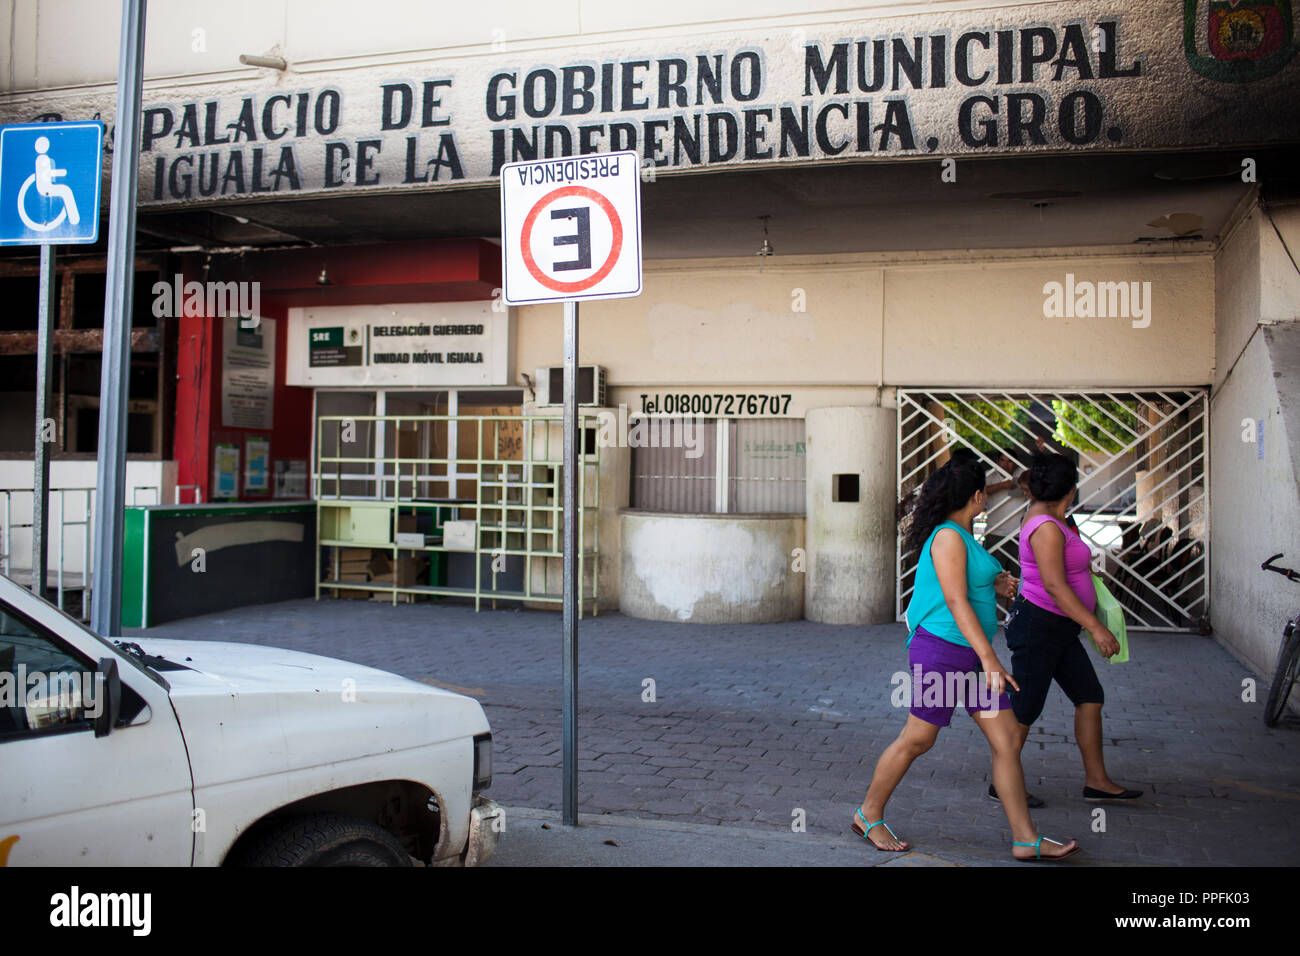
(1288, 658)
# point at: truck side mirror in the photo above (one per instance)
(108, 696)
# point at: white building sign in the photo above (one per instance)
(433, 344)
(1022, 78)
(248, 374)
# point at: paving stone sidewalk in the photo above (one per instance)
(751, 724)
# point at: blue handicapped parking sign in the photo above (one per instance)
(49, 183)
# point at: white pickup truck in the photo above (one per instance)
(180, 753)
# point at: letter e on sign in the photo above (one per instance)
(571, 228)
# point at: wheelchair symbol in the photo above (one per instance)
(43, 178)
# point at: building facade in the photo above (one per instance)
(868, 237)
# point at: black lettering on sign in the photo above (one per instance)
(337, 157)
(1110, 50)
(961, 61)
(576, 97)
(329, 106)
(1018, 122)
(755, 134)
(500, 106)
(539, 93)
(155, 130)
(581, 239)
(399, 100)
(366, 148)
(244, 127)
(431, 102)
(234, 175)
(269, 129)
(672, 84)
(187, 134)
(966, 121)
(210, 125)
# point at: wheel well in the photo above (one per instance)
(409, 811)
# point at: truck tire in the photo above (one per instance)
(327, 839)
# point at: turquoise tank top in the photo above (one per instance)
(929, 610)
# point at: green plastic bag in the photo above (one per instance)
(1112, 615)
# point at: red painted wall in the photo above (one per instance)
(452, 270)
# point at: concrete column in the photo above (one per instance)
(851, 543)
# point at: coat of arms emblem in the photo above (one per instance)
(1237, 41)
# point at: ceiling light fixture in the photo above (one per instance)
(323, 278)
(765, 249)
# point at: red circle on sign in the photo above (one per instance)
(526, 239)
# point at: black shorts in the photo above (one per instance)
(1045, 646)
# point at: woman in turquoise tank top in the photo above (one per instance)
(951, 618)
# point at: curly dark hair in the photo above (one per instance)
(944, 492)
(1051, 476)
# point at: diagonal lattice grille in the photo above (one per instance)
(1143, 494)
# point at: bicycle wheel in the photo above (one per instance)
(1288, 666)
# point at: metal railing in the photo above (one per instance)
(516, 467)
(1143, 499)
(82, 517)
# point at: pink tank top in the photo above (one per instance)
(1078, 574)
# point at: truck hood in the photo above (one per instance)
(248, 710)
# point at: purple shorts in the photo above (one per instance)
(944, 676)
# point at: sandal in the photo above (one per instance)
(1038, 851)
(871, 826)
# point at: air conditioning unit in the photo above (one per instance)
(591, 385)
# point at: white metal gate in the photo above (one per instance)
(1143, 484)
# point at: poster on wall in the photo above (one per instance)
(257, 471)
(225, 472)
(248, 374)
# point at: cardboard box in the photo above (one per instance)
(409, 572)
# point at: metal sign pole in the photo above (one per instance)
(571, 582)
(41, 458)
(542, 255)
(110, 477)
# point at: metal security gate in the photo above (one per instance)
(1143, 497)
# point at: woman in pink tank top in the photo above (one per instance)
(1057, 600)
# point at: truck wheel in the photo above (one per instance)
(327, 839)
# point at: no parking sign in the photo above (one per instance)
(571, 229)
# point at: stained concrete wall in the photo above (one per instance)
(729, 322)
(711, 569)
(851, 543)
(1254, 492)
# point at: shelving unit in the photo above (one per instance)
(517, 508)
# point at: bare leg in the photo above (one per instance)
(1087, 731)
(916, 738)
(1005, 739)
